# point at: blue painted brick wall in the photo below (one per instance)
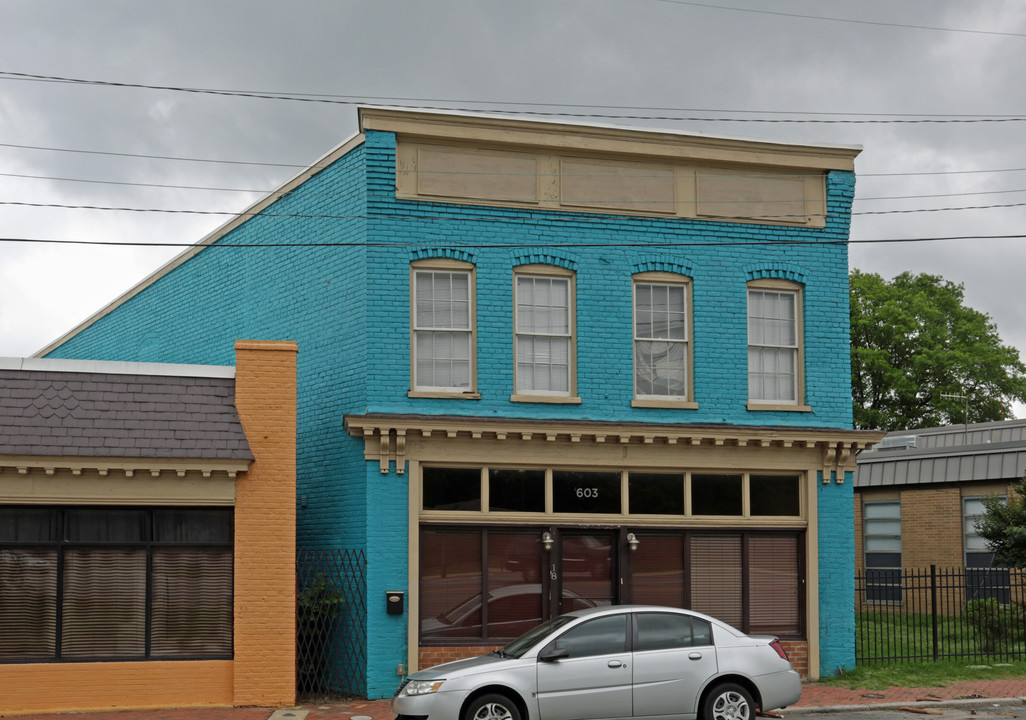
(836, 575)
(348, 308)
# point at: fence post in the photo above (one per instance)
(933, 610)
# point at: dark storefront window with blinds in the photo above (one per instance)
(115, 584)
(485, 585)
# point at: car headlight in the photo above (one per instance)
(422, 687)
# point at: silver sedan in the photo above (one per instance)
(626, 661)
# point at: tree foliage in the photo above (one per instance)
(1003, 526)
(913, 341)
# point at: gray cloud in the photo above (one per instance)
(592, 52)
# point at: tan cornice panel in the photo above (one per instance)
(605, 140)
(131, 468)
(600, 432)
(386, 437)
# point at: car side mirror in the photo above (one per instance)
(553, 654)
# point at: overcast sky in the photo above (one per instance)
(824, 62)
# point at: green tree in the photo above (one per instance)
(1003, 526)
(913, 341)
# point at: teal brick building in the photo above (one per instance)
(545, 366)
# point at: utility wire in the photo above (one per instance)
(906, 118)
(307, 193)
(427, 218)
(322, 167)
(878, 23)
(547, 244)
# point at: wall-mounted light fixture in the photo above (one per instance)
(547, 540)
(632, 541)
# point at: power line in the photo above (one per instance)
(156, 157)
(547, 244)
(321, 167)
(428, 218)
(306, 193)
(844, 20)
(848, 118)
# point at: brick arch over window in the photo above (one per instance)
(777, 271)
(441, 252)
(565, 261)
(677, 267)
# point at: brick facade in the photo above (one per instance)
(931, 521)
(263, 669)
(347, 306)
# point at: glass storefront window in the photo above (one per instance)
(774, 495)
(655, 493)
(452, 488)
(511, 490)
(585, 492)
(716, 495)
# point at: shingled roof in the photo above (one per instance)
(48, 409)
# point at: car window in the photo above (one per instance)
(602, 636)
(702, 632)
(526, 641)
(662, 631)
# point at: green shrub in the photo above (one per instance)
(995, 623)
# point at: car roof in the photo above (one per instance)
(615, 609)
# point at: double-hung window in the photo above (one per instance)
(661, 343)
(982, 581)
(774, 344)
(544, 333)
(442, 315)
(881, 522)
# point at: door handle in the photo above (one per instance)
(695, 656)
(614, 664)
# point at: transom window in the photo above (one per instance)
(83, 583)
(443, 357)
(544, 331)
(520, 490)
(774, 345)
(661, 351)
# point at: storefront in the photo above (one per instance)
(510, 524)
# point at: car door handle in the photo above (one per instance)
(695, 656)
(614, 664)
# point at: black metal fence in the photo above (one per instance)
(929, 614)
(331, 644)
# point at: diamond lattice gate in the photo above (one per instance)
(331, 612)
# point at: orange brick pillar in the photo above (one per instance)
(265, 526)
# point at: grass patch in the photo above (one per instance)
(926, 674)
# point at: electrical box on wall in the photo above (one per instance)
(394, 602)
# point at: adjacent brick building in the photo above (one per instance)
(919, 492)
(147, 532)
(548, 365)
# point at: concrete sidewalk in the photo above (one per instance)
(815, 698)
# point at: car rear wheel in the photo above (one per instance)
(728, 702)
(492, 707)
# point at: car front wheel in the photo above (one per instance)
(728, 702)
(492, 707)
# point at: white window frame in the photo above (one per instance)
(664, 280)
(443, 266)
(795, 349)
(969, 533)
(521, 393)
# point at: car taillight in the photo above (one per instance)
(780, 649)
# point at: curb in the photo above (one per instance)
(866, 707)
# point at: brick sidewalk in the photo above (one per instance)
(818, 696)
(814, 697)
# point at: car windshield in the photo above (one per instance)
(528, 640)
